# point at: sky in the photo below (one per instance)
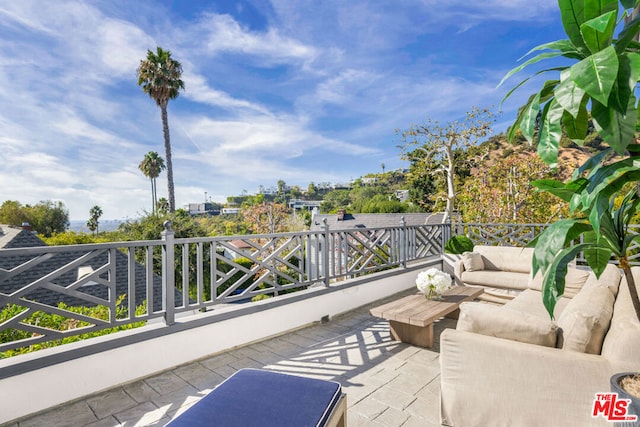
(295, 90)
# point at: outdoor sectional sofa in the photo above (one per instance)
(512, 365)
(502, 271)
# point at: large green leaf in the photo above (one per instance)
(616, 129)
(576, 128)
(597, 33)
(627, 34)
(630, 4)
(555, 276)
(595, 8)
(550, 133)
(569, 94)
(597, 74)
(591, 163)
(606, 180)
(559, 189)
(552, 240)
(597, 258)
(533, 60)
(572, 13)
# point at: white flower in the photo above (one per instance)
(433, 279)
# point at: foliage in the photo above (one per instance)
(266, 218)
(151, 166)
(160, 77)
(458, 244)
(94, 216)
(73, 238)
(45, 217)
(61, 323)
(604, 78)
(503, 193)
(434, 149)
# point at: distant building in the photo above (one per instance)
(298, 204)
(402, 195)
(230, 211)
(205, 208)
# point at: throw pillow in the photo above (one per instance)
(501, 322)
(472, 261)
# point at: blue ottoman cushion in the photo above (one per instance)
(253, 397)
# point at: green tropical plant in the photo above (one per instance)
(159, 75)
(458, 244)
(151, 166)
(603, 80)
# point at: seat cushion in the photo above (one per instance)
(253, 397)
(530, 301)
(496, 279)
(501, 322)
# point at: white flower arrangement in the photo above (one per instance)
(433, 281)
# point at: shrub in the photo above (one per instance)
(458, 245)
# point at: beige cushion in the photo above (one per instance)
(574, 280)
(506, 258)
(472, 261)
(496, 279)
(500, 322)
(585, 320)
(610, 278)
(622, 343)
(530, 301)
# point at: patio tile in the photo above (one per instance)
(355, 419)
(110, 421)
(406, 382)
(75, 414)
(110, 402)
(392, 418)
(141, 415)
(165, 382)
(140, 391)
(218, 360)
(178, 398)
(393, 398)
(369, 408)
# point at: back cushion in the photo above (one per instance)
(506, 258)
(610, 278)
(585, 320)
(574, 281)
(622, 343)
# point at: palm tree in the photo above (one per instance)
(151, 166)
(159, 75)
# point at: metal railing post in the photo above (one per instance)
(403, 242)
(325, 251)
(168, 274)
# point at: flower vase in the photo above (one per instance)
(433, 295)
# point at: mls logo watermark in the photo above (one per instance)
(612, 408)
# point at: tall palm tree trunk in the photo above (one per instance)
(167, 148)
(631, 283)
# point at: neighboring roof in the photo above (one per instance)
(240, 244)
(18, 237)
(369, 220)
(12, 237)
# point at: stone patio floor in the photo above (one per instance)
(387, 383)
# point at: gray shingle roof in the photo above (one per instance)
(12, 237)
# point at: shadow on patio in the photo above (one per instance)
(387, 383)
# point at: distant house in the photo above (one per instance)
(48, 291)
(239, 249)
(230, 211)
(298, 204)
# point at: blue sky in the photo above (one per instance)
(302, 91)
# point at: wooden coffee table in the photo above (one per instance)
(411, 318)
